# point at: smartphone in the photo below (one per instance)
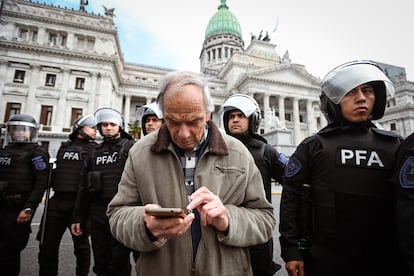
(165, 212)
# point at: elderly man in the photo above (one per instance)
(191, 165)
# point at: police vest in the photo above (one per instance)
(16, 168)
(69, 161)
(351, 193)
(258, 155)
(109, 159)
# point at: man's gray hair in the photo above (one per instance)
(181, 79)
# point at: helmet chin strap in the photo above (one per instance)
(111, 138)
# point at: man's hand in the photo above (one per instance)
(211, 209)
(295, 268)
(23, 217)
(76, 229)
(167, 228)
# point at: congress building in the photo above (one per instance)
(58, 64)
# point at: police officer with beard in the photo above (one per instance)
(102, 173)
(65, 182)
(24, 171)
(345, 169)
(241, 118)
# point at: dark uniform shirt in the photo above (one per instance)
(352, 230)
(404, 185)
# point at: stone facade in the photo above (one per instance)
(58, 64)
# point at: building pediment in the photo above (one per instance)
(290, 73)
(282, 74)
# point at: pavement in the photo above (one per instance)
(29, 263)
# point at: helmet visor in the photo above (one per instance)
(338, 82)
(148, 109)
(21, 132)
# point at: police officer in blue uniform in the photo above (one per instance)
(65, 182)
(344, 172)
(102, 173)
(24, 171)
(241, 118)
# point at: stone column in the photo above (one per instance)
(33, 82)
(310, 117)
(127, 111)
(266, 113)
(296, 122)
(281, 108)
(95, 77)
(61, 102)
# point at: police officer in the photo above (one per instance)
(241, 118)
(347, 166)
(102, 173)
(24, 171)
(151, 117)
(404, 184)
(65, 182)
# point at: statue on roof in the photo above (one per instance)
(266, 38)
(109, 12)
(83, 3)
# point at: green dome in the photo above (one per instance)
(223, 21)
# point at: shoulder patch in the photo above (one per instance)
(283, 159)
(39, 163)
(293, 167)
(407, 173)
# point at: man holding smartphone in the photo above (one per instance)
(192, 165)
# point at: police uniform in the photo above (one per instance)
(24, 170)
(404, 185)
(271, 165)
(102, 175)
(65, 182)
(348, 168)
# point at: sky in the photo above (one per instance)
(319, 34)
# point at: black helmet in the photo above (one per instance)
(146, 110)
(18, 126)
(247, 105)
(78, 124)
(339, 81)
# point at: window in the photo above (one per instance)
(393, 126)
(46, 115)
(52, 39)
(50, 80)
(23, 34)
(287, 117)
(80, 83)
(76, 113)
(19, 76)
(12, 109)
(27, 33)
(57, 39)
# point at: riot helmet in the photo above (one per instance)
(342, 79)
(21, 128)
(247, 105)
(79, 124)
(146, 110)
(107, 114)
